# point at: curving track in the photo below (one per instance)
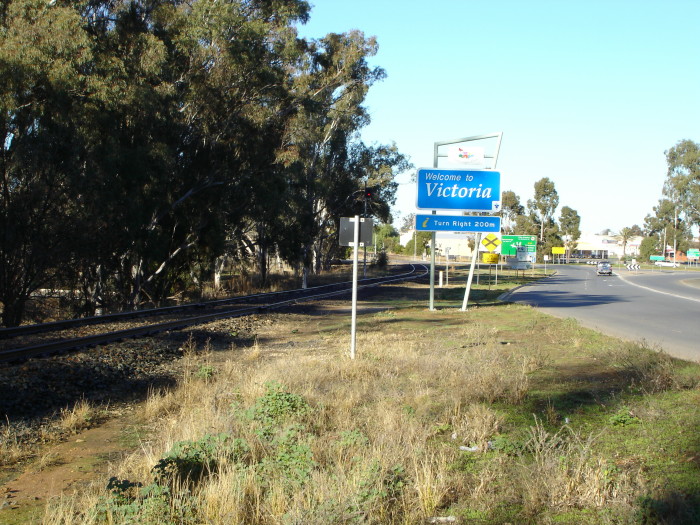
(22, 342)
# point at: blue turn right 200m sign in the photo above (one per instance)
(464, 190)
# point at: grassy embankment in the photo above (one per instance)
(496, 415)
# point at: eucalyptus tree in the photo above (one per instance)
(682, 184)
(408, 223)
(375, 167)
(544, 204)
(569, 224)
(188, 119)
(667, 226)
(510, 210)
(243, 59)
(44, 52)
(324, 179)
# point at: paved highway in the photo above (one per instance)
(661, 307)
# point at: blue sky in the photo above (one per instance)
(588, 93)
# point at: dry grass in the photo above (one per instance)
(378, 443)
(79, 417)
(11, 449)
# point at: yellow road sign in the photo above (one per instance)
(489, 258)
(491, 242)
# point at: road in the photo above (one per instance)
(661, 307)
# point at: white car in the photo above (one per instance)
(667, 263)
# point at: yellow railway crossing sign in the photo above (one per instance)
(491, 242)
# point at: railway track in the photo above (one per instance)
(50, 338)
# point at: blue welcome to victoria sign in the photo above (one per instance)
(465, 190)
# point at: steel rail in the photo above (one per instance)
(7, 333)
(129, 333)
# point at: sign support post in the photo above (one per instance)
(355, 232)
(475, 256)
(356, 247)
(433, 239)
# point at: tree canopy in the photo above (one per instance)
(682, 184)
(148, 142)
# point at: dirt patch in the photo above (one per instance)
(66, 467)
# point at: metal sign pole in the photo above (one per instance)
(353, 323)
(475, 255)
(431, 307)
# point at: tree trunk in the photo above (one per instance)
(219, 263)
(262, 255)
(13, 311)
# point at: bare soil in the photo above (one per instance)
(65, 467)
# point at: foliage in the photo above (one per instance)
(668, 226)
(544, 204)
(275, 407)
(569, 222)
(623, 417)
(408, 223)
(133, 503)
(682, 184)
(649, 246)
(510, 210)
(386, 238)
(147, 145)
(418, 244)
(190, 461)
(292, 458)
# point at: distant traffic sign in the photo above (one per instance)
(657, 258)
(457, 223)
(693, 253)
(510, 242)
(465, 190)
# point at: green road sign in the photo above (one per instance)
(657, 258)
(511, 241)
(694, 253)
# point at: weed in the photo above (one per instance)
(205, 372)
(153, 504)
(623, 417)
(292, 458)
(275, 407)
(507, 445)
(352, 438)
(192, 460)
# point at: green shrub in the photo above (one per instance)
(382, 260)
(275, 407)
(132, 503)
(291, 457)
(192, 460)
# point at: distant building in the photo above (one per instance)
(593, 245)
